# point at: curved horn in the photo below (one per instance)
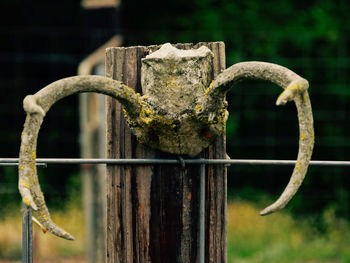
(295, 88)
(36, 106)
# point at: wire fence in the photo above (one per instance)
(27, 228)
(46, 161)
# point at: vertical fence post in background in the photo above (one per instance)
(27, 234)
(153, 210)
(92, 145)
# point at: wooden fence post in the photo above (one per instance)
(152, 210)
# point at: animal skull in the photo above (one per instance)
(180, 112)
(173, 81)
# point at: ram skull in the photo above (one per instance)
(181, 111)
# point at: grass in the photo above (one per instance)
(47, 247)
(281, 238)
(251, 238)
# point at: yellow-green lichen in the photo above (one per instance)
(305, 96)
(282, 94)
(126, 93)
(290, 91)
(26, 200)
(130, 89)
(146, 115)
(296, 86)
(170, 83)
(220, 117)
(32, 166)
(25, 183)
(298, 165)
(206, 93)
(147, 118)
(198, 108)
(44, 217)
(296, 181)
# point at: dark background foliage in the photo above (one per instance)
(42, 41)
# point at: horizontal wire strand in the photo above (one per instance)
(45, 161)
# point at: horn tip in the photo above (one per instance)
(265, 212)
(67, 236)
(70, 238)
(270, 209)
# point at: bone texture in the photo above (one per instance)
(295, 89)
(36, 107)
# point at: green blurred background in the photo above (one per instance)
(42, 41)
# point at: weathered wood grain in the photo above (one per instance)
(152, 210)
